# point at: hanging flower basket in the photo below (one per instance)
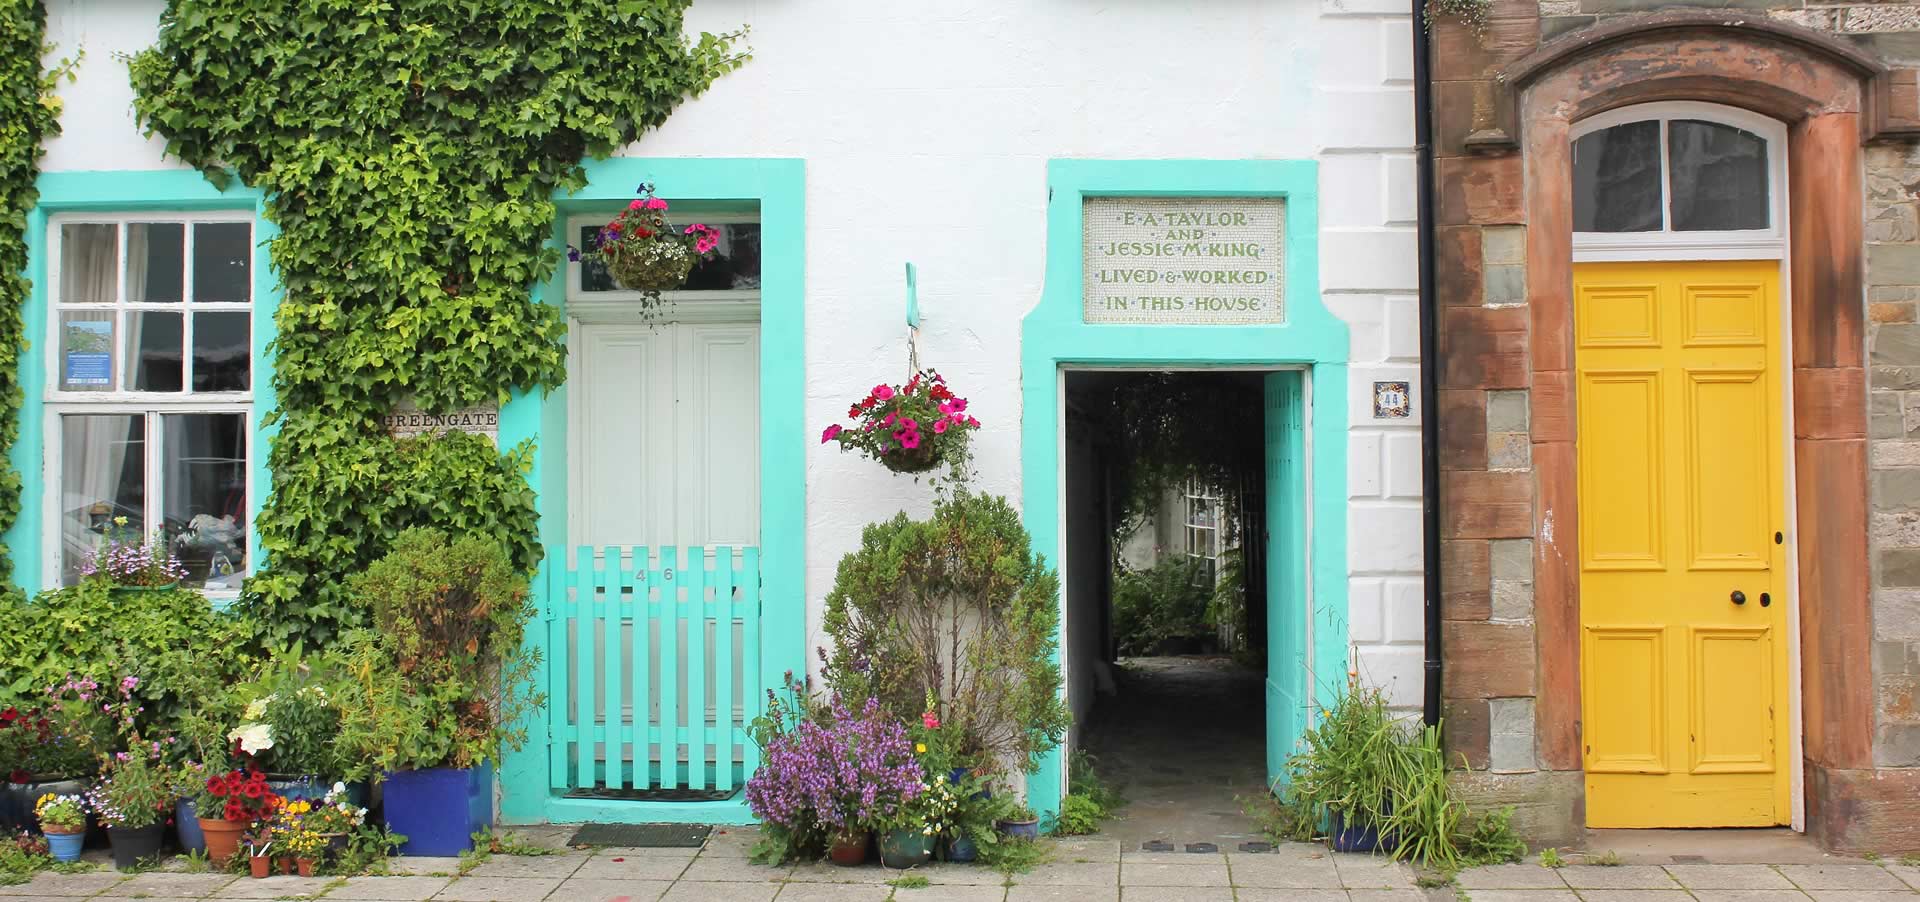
(910, 428)
(644, 252)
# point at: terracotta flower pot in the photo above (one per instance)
(285, 864)
(223, 838)
(849, 848)
(260, 866)
(304, 866)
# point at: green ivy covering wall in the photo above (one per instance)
(409, 150)
(28, 113)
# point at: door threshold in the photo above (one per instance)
(1720, 845)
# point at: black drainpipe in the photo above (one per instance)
(1430, 423)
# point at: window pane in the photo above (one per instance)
(89, 263)
(1719, 176)
(222, 351)
(156, 255)
(203, 496)
(86, 351)
(1616, 179)
(153, 345)
(102, 477)
(735, 263)
(593, 276)
(222, 261)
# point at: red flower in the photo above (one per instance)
(216, 786)
(254, 790)
(8, 716)
(19, 776)
(235, 811)
(868, 403)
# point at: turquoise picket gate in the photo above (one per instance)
(655, 674)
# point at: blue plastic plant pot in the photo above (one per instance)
(1359, 836)
(188, 826)
(439, 809)
(66, 846)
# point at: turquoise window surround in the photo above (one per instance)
(1055, 338)
(123, 191)
(778, 188)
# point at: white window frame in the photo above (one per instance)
(1200, 497)
(152, 405)
(621, 306)
(1769, 243)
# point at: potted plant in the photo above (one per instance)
(41, 753)
(836, 776)
(228, 804)
(189, 780)
(63, 818)
(908, 428)
(333, 817)
(431, 695)
(132, 799)
(288, 728)
(908, 837)
(645, 252)
(1345, 767)
(1018, 821)
(133, 563)
(259, 842)
(298, 838)
(974, 821)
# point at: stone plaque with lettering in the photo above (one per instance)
(408, 420)
(1188, 260)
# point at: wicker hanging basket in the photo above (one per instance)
(916, 460)
(653, 267)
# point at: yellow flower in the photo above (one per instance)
(920, 748)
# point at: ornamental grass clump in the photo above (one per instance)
(839, 774)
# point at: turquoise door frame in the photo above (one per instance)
(778, 188)
(127, 191)
(1054, 338)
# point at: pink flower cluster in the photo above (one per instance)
(705, 237)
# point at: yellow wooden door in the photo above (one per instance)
(1683, 593)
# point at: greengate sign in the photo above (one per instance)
(1187, 260)
(406, 420)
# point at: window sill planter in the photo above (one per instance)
(143, 591)
(64, 843)
(132, 845)
(902, 849)
(848, 849)
(439, 809)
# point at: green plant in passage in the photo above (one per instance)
(1550, 858)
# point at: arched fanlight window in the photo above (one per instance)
(1677, 173)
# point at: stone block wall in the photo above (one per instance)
(1893, 337)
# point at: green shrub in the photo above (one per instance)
(1492, 840)
(957, 606)
(1079, 816)
(1166, 601)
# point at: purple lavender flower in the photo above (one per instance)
(842, 774)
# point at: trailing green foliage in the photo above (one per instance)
(1089, 800)
(410, 151)
(1164, 603)
(29, 113)
(956, 611)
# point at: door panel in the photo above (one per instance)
(1288, 628)
(1681, 491)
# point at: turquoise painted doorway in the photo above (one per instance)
(1288, 692)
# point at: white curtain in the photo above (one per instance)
(95, 449)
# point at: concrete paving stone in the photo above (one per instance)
(962, 875)
(581, 889)
(1523, 895)
(1176, 894)
(1131, 856)
(828, 872)
(1213, 873)
(1083, 847)
(530, 865)
(47, 884)
(634, 867)
(276, 887)
(1512, 876)
(597, 889)
(949, 893)
(733, 842)
(1385, 895)
(1057, 874)
(1635, 895)
(1840, 876)
(1372, 872)
(835, 892)
(1728, 876)
(1749, 895)
(174, 886)
(1020, 893)
(1859, 895)
(650, 852)
(1626, 876)
(732, 870)
(706, 891)
(424, 866)
(1907, 873)
(498, 889)
(1281, 873)
(123, 899)
(387, 889)
(1243, 894)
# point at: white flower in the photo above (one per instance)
(257, 708)
(254, 738)
(339, 788)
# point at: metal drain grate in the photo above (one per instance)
(642, 836)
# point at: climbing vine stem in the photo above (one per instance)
(29, 113)
(409, 151)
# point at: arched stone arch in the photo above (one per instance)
(1832, 98)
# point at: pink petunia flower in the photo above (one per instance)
(883, 392)
(654, 203)
(939, 426)
(830, 434)
(635, 205)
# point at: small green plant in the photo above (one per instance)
(194, 861)
(1610, 859)
(1165, 603)
(1433, 879)
(1083, 777)
(1088, 802)
(1014, 856)
(1910, 860)
(1282, 817)
(1492, 840)
(1079, 816)
(1550, 858)
(909, 881)
(368, 848)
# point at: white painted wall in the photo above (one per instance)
(926, 129)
